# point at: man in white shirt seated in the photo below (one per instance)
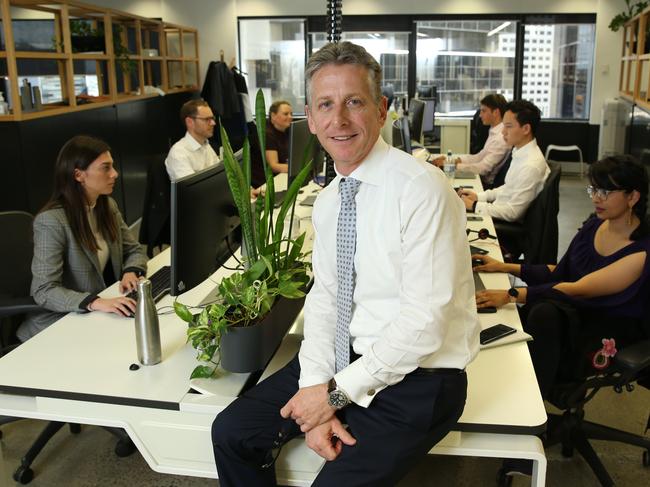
(487, 162)
(390, 324)
(528, 170)
(193, 152)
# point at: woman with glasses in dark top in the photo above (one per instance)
(81, 243)
(599, 289)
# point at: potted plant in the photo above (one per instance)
(632, 9)
(260, 301)
(85, 38)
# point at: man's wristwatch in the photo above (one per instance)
(513, 294)
(337, 398)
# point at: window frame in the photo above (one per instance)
(408, 23)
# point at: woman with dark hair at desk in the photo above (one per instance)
(277, 136)
(81, 243)
(599, 289)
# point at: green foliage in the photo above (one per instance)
(84, 28)
(274, 265)
(632, 9)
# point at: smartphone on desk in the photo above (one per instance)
(474, 218)
(495, 332)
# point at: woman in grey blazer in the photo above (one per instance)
(81, 242)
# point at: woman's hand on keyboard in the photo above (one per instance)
(122, 306)
(129, 282)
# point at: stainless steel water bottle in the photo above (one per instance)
(147, 329)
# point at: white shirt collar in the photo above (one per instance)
(192, 143)
(497, 129)
(525, 149)
(371, 169)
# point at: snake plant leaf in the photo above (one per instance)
(240, 190)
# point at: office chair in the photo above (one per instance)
(16, 249)
(155, 225)
(16, 252)
(576, 387)
(478, 133)
(537, 237)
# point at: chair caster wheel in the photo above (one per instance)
(75, 428)
(124, 448)
(646, 458)
(23, 474)
(503, 480)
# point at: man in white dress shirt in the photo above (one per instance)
(528, 170)
(193, 152)
(488, 160)
(412, 326)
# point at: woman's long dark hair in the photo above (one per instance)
(78, 153)
(627, 173)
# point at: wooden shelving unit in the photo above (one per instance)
(131, 54)
(634, 81)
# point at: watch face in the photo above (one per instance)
(337, 399)
(514, 292)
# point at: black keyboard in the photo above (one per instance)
(160, 284)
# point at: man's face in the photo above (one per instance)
(514, 134)
(201, 126)
(487, 115)
(281, 120)
(344, 115)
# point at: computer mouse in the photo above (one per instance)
(476, 262)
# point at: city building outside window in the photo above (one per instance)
(568, 62)
(466, 60)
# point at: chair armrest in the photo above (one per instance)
(634, 358)
(10, 306)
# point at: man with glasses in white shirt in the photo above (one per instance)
(390, 322)
(488, 160)
(193, 152)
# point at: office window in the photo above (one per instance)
(568, 63)
(272, 54)
(390, 49)
(466, 60)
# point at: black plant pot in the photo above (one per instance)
(249, 348)
(88, 43)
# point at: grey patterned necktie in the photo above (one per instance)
(346, 239)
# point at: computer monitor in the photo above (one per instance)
(402, 135)
(203, 217)
(427, 91)
(429, 118)
(299, 137)
(416, 117)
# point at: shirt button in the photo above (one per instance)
(371, 392)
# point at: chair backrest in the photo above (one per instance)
(541, 221)
(16, 252)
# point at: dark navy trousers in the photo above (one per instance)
(398, 429)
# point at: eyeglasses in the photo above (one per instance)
(601, 193)
(206, 119)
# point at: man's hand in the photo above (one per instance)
(309, 407)
(439, 161)
(327, 439)
(468, 197)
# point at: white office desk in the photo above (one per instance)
(77, 370)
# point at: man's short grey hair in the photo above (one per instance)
(345, 53)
